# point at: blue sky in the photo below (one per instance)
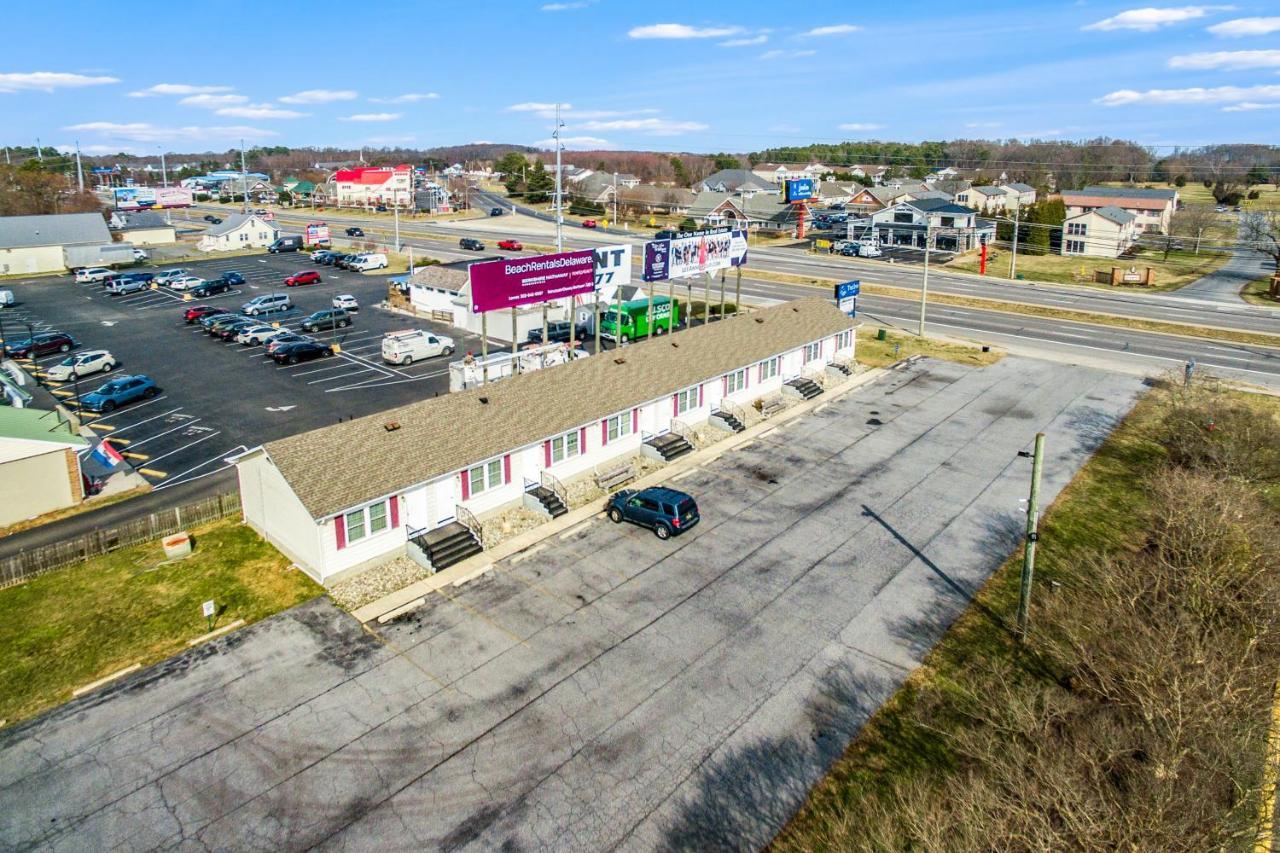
(733, 76)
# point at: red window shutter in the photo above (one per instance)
(546, 453)
(340, 528)
(604, 432)
(506, 468)
(700, 395)
(724, 386)
(635, 420)
(675, 405)
(466, 485)
(582, 439)
(395, 511)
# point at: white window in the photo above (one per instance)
(844, 340)
(1076, 228)
(1075, 247)
(618, 426)
(484, 477)
(812, 352)
(768, 369)
(365, 521)
(565, 446)
(735, 381)
(686, 400)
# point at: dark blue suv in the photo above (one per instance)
(118, 392)
(666, 511)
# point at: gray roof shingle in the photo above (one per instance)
(234, 221)
(446, 434)
(1126, 192)
(62, 229)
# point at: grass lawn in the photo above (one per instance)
(1181, 267)
(908, 742)
(1258, 292)
(899, 345)
(73, 626)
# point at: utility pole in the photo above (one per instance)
(615, 199)
(396, 212)
(79, 172)
(39, 153)
(924, 285)
(164, 170)
(1013, 261)
(1029, 552)
(559, 214)
(244, 180)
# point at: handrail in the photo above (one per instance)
(552, 482)
(530, 485)
(682, 429)
(734, 409)
(468, 520)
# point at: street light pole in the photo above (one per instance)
(244, 180)
(164, 171)
(1029, 553)
(1013, 261)
(924, 284)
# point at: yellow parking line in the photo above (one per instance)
(482, 617)
(141, 457)
(150, 472)
(115, 439)
(103, 427)
(63, 392)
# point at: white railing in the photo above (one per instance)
(553, 483)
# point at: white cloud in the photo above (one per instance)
(650, 126)
(411, 98)
(583, 115)
(1231, 60)
(786, 54)
(390, 140)
(47, 81)
(1194, 95)
(213, 102)
(1242, 27)
(982, 125)
(681, 31)
(536, 107)
(319, 96)
(144, 132)
(259, 111)
(833, 30)
(1151, 18)
(861, 125)
(744, 42)
(1249, 106)
(178, 89)
(564, 7)
(371, 117)
(579, 142)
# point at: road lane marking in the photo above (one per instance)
(185, 446)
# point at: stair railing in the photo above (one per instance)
(682, 429)
(734, 409)
(530, 485)
(468, 520)
(552, 482)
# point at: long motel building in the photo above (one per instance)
(406, 481)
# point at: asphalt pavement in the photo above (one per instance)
(608, 691)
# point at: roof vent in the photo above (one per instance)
(622, 359)
(484, 400)
(759, 319)
(391, 426)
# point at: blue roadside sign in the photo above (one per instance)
(847, 296)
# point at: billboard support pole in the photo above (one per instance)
(706, 300)
(737, 293)
(671, 295)
(649, 331)
(515, 359)
(484, 347)
(617, 325)
(596, 303)
(689, 285)
(723, 275)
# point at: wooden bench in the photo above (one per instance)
(610, 478)
(772, 406)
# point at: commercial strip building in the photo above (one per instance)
(39, 465)
(950, 227)
(1152, 208)
(56, 242)
(354, 495)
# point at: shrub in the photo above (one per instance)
(1254, 195)
(1180, 181)
(688, 224)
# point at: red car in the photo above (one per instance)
(588, 223)
(195, 312)
(510, 245)
(304, 277)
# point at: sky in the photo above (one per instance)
(698, 77)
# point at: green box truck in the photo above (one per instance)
(635, 319)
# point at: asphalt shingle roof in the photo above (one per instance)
(1115, 214)
(62, 229)
(234, 221)
(446, 434)
(1128, 192)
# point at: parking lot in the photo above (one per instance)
(603, 690)
(220, 398)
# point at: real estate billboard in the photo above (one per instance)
(317, 234)
(145, 198)
(521, 281)
(692, 253)
(799, 189)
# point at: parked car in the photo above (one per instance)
(346, 302)
(300, 278)
(119, 392)
(301, 351)
(195, 312)
(268, 304)
(255, 334)
(330, 318)
(559, 332)
(89, 275)
(230, 330)
(186, 282)
(209, 217)
(42, 343)
(589, 223)
(382, 208)
(284, 338)
(125, 284)
(410, 345)
(164, 277)
(471, 244)
(341, 261)
(139, 256)
(319, 256)
(206, 322)
(355, 231)
(288, 243)
(7, 298)
(329, 259)
(82, 364)
(217, 326)
(209, 288)
(232, 278)
(495, 211)
(510, 245)
(666, 512)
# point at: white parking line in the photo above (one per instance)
(145, 420)
(340, 366)
(341, 378)
(150, 438)
(177, 479)
(153, 460)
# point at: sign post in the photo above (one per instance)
(209, 609)
(847, 297)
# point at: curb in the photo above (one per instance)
(406, 599)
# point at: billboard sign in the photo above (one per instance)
(800, 189)
(521, 281)
(147, 198)
(692, 253)
(847, 296)
(738, 248)
(613, 266)
(317, 234)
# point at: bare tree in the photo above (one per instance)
(1193, 221)
(1260, 231)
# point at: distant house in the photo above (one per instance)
(596, 188)
(951, 227)
(779, 174)
(1020, 195)
(737, 181)
(1153, 209)
(1103, 232)
(628, 180)
(56, 242)
(39, 464)
(653, 199)
(368, 186)
(300, 191)
(984, 199)
(758, 211)
(945, 174)
(144, 228)
(239, 231)
(431, 197)
(831, 192)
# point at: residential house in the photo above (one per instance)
(143, 228)
(436, 467)
(780, 174)
(597, 188)
(648, 198)
(882, 196)
(758, 211)
(831, 192)
(1152, 208)
(951, 227)
(1101, 232)
(626, 179)
(56, 242)
(951, 186)
(946, 173)
(239, 231)
(1019, 195)
(367, 186)
(983, 198)
(39, 463)
(737, 181)
(300, 192)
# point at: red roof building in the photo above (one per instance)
(368, 186)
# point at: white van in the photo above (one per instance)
(370, 261)
(411, 345)
(266, 304)
(6, 298)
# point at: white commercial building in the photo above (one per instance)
(353, 495)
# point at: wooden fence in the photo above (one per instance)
(27, 564)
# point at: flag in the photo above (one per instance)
(107, 455)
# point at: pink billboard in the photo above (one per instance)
(520, 281)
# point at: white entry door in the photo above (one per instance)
(447, 497)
